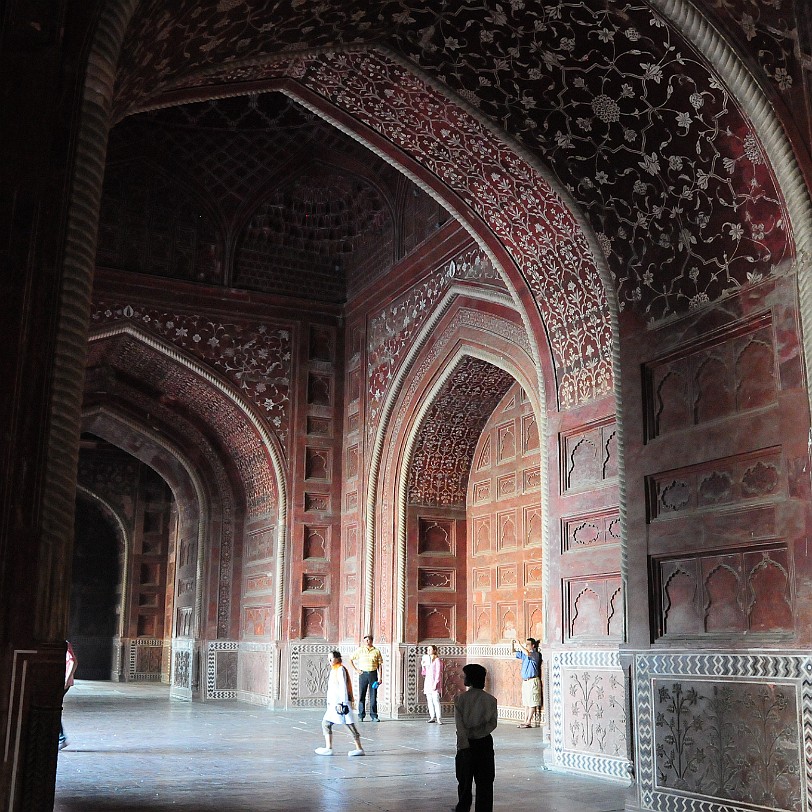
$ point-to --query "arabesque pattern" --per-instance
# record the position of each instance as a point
(631, 119)
(255, 358)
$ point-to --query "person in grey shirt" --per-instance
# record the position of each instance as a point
(475, 718)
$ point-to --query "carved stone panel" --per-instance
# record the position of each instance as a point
(314, 621)
(257, 621)
(321, 343)
(506, 442)
(482, 622)
(732, 592)
(436, 622)
(317, 464)
(314, 582)
(530, 434)
(506, 530)
(317, 502)
(590, 530)
(721, 483)
(594, 607)
(532, 527)
(436, 578)
(507, 618)
(435, 536)
(316, 542)
(589, 456)
(594, 711)
(732, 741)
(259, 545)
(712, 380)
(319, 390)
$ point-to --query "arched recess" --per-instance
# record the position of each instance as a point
(125, 551)
(257, 454)
(469, 330)
(194, 509)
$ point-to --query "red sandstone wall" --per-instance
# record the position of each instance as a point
(505, 527)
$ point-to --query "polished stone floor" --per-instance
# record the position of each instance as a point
(131, 748)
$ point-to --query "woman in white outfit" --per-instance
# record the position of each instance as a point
(432, 669)
(339, 700)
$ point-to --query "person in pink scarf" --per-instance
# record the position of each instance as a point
(432, 670)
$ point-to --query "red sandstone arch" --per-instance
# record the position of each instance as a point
(200, 508)
(211, 407)
(508, 201)
(122, 537)
(469, 330)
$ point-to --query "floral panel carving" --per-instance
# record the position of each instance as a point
(253, 673)
(594, 711)
(732, 741)
(256, 358)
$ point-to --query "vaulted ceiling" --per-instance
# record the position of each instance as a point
(592, 140)
(632, 120)
(255, 192)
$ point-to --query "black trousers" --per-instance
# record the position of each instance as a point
(365, 681)
(475, 763)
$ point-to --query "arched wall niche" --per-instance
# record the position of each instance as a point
(485, 326)
(195, 516)
(471, 330)
(233, 453)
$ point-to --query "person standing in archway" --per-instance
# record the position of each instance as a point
(368, 662)
(531, 678)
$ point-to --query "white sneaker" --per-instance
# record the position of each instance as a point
(358, 752)
(323, 751)
(439, 722)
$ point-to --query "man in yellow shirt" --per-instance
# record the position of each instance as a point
(368, 662)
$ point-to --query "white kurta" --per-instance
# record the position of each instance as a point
(337, 692)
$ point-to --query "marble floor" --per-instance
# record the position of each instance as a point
(131, 748)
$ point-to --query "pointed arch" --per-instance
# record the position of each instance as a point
(237, 418)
